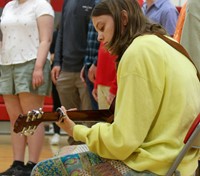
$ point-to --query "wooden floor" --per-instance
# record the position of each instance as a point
(6, 156)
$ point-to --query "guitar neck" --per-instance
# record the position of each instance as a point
(26, 124)
(50, 116)
(104, 115)
(81, 115)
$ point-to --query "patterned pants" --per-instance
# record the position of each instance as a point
(84, 164)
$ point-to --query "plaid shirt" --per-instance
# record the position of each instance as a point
(92, 46)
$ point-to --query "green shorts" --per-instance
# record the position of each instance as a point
(17, 78)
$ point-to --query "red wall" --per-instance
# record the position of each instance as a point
(56, 4)
(3, 2)
(3, 112)
(48, 107)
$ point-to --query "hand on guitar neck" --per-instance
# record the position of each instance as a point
(26, 124)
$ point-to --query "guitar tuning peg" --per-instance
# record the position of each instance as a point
(29, 115)
(38, 113)
(27, 132)
(61, 113)
(34, 115)
(24, 132)
(32, 130)
(40, 110)
(31, 133)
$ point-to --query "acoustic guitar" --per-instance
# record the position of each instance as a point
(26, 124)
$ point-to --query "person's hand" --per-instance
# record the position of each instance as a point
(66, 124)
(82, 74)
(52, 58)
(92, 73)
(55, 73)
(95, 95)
(110, 98)
(37, 78)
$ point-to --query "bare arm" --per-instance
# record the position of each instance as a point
(45, 29)
(92, 73)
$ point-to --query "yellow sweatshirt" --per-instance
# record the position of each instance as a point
(157, 100)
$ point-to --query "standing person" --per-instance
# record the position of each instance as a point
(55, 97)
(105, 83)
(179, 24)
(88, 72)
(70, 50)
(105, 86)
(162, 12)
(69, 54)
(190, 37)
(27, 28)
(156, 102)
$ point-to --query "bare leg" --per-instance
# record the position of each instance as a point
(18, 141)
(35, 142)
(22, 104)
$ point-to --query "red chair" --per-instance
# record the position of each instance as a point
(192, 140)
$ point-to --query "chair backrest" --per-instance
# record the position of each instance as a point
(192, 140)
(194, 129)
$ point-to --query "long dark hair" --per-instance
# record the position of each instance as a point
(137, 24)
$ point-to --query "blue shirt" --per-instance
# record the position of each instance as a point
(162, 12)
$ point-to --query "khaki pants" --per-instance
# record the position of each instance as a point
(103, 92)
(72, 91)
